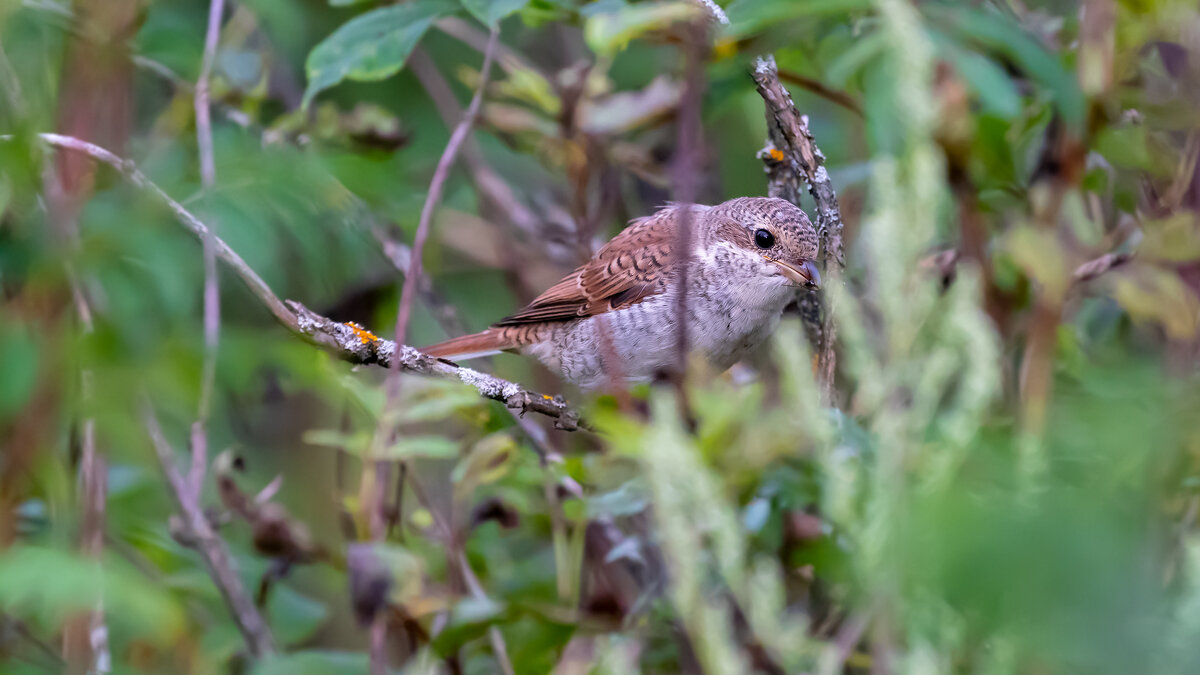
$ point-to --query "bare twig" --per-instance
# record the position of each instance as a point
(793, 159)
(346, 341)
(688, 156)
(1098, 266)
(400, 255)
(212, 295)
(818, 87)
(85, 639)
(210, 547)
(374, 482)
(208, 171)
(440, 174)
(93, 475)
(491, 187)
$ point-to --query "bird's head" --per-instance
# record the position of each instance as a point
(768, 238)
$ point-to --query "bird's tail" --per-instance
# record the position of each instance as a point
(473, 346)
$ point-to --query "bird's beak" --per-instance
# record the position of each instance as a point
(805, 274)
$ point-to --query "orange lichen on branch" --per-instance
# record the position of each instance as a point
(775, 154)
(366, 336)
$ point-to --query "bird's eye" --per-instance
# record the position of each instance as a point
(764, 239)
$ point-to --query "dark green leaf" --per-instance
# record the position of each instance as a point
(373, 46)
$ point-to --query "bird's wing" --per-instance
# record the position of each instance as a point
(630, 268)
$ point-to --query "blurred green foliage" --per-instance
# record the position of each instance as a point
(1008, 481)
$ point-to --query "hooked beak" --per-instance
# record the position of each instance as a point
(805, 275)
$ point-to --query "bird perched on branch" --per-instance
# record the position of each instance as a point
(615, 318)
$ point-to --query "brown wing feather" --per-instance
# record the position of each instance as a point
(630, 268)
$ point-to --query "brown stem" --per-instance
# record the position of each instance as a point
(818, 87)
(212, 296)
(793, 160)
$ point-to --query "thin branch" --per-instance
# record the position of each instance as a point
(689, 154)
(227, 255)
(208, 170)
(437, 185)
(210, 547)
(491, 187)
(818, 87)
(1098, 266)
(212, 295)
(793, 159)
(372, 494)
(91, 654)
(347, 341)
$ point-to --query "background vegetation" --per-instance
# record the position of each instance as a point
(1003, 477)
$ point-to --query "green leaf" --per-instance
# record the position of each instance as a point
(294, 617)
(1000, 33)
(373, 46)
(609, 32)
(987, 81)
(347, 3)
(751, 16)
(492, 12)
(316, 662)
(19, 363)
(421, 446)
(850, 62)
(48, 586)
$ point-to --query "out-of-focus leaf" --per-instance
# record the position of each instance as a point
(347, 3)
(440, 404)
(750, 16)
(469, 619)
(407, 447)
(19, 365)
(988, 82)
(1128, 147)
(293, 616)
(1157, 295)
(372, 46)
(991, 29)
(628, 110)
(610, 32)
(627, 500)
(854, 59)
(5, 193)
(353, 443)
(491, 12)
(488, 460)
(1172, 239)
(1041, 257)
(316, 662)
(50, 585)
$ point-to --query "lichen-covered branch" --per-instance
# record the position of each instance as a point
(346, 341)
(794, 163)
(359, 345)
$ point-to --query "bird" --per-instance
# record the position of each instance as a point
(613, 320)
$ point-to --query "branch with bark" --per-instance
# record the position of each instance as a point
(794, 163)
(347, 341)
